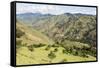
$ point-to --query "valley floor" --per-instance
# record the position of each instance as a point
(40, 56)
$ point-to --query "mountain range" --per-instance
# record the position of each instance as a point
(48, 38)
(76, 27)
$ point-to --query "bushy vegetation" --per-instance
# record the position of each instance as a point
(55, 50)
(19, 33)
(31, 48)
(38, 45)
(51, 55)
(55, 45)
(65, 51)
(82, 52)
(19, 44)
(48, 47)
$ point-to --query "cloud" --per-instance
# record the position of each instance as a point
(34, 8)
(53, 9)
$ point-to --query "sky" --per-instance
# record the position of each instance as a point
(53, 9)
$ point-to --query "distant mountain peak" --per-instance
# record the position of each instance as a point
(68, 13)
(36, 14)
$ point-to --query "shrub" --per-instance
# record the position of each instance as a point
(38, 45)
(47, 48)
(92, 52)
(19, 33)
(31, 48)
(55, 50)
(25, 44)
(74, 52)
(18, 44)
(55, 45)
(65, 51)
(57, 42)
(51, 55)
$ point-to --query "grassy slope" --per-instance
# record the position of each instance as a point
(40, 56)
(32, 36)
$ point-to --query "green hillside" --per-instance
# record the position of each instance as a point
(30, 35)
(41, 56)
(34, 46)
(75, 27)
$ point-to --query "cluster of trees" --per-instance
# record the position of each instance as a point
(38, 45)
(82, 52)
(53, 45)
(31, 47)
(77, 51)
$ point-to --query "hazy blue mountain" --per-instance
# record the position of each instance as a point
(30, 18)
